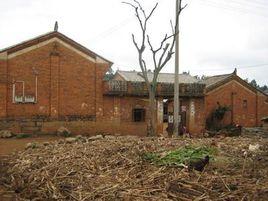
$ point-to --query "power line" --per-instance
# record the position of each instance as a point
(236, 9)
(117, 27)
(238, 67)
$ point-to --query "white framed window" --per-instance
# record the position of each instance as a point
(18, 93)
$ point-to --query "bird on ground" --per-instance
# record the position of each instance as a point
(199, 164)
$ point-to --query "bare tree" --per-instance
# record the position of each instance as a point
(160, 55)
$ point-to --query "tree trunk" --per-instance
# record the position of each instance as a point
(152, 124)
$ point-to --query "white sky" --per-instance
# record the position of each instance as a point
(216, 35)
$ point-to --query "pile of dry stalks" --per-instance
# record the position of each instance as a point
(113, 168)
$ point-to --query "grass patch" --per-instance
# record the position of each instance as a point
(180, 157)
(23, 135)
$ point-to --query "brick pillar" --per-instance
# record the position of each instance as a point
(192, 113)
(117, 109)
(160, 116)
(54, 85)
(101, 69)
(3, 85)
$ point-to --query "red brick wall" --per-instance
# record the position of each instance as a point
(118, 110)
(195, 121)
(245, 116)
(197, 126)
(68, 84)
(262, 107)
(3, 87)
(20, 69)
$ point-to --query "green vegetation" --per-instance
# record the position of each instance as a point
(23, 135)
(180, 157)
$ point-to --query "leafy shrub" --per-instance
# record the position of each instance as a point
(213, 122)
(179, 157)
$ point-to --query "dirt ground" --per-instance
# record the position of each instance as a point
(12, 146)
(112, 168)
(9, 146)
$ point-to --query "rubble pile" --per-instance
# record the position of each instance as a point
(113, 168)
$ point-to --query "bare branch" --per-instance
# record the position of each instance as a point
(130, 4)
(152, 11)
(153, 51)
(135, 43)
(140, 7)
(163, 54)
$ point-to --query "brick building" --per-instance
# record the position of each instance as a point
(130, 93)
(52, 81)
(247, 104)
(50, 77)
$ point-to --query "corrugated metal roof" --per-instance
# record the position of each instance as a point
(135, 76)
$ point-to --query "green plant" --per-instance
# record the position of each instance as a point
(179, 157)
(23, 135)
(213, 122)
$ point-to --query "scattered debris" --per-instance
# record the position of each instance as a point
(6, 134)
(115, 169)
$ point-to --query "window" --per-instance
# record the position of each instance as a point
(20, 95)
(245, 104)
(138, 115)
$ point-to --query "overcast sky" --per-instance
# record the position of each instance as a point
(216, 35)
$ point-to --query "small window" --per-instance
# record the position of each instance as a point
(138, 115)
(245, 104)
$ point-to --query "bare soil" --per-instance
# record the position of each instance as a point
(12, 145)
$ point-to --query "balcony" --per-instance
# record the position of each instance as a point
(185, 90)
(115, 87)
(166, 90)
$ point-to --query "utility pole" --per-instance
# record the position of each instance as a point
(176, 81)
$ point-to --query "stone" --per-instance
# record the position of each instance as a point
(110, 137)
(71, 139)
(61, 141)
(6, 134)
(81, 138)
(254, 148)
(46, 144)
(96, 137)
(62, 131)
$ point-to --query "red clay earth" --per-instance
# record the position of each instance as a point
(9, 146)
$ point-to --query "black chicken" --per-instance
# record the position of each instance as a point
(199, 164)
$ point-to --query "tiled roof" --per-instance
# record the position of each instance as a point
(135, 76)
(209, 81)
(47, 36)
(26, 41)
